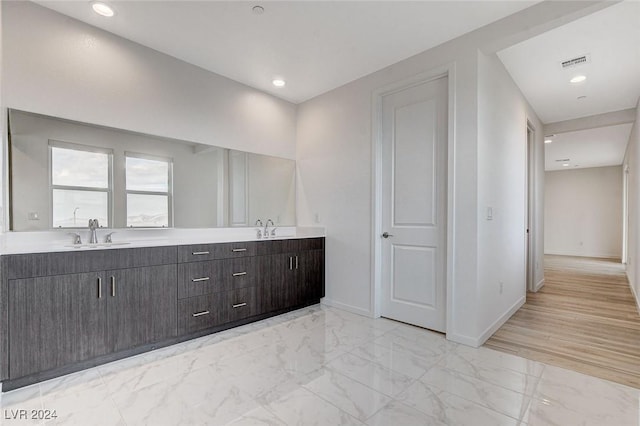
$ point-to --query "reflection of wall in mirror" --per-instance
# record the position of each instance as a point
(271, 189)
(195, 174)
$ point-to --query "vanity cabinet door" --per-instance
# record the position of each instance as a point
(55, 321)
(310, 280)
(276, 283)
(142, 305)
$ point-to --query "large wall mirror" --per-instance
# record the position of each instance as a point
(63, 173)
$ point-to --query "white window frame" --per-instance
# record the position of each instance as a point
(108, 190)
(168, 193)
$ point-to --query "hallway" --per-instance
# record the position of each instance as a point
(584, 319)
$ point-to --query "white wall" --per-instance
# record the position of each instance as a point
(632, 162)
(55, 65)
(335, 174)
(583, 212)
(502, 157)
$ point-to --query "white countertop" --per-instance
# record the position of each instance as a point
(61, 241)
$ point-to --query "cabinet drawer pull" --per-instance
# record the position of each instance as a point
(239, 274)
(237, 250)
(198, 314)
(239, 305)
(197, 280)
(113, 286)
(99, 288)
(199, 253)
(290, 262)
(296, 262)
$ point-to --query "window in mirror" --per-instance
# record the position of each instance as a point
(80, 185)
(148, 188)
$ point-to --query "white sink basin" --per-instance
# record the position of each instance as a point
(98, 245)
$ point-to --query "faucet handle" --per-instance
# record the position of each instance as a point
(273, 231)
(258, 233)
(77, 239)
(107, 238)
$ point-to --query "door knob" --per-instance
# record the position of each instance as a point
(386, 235)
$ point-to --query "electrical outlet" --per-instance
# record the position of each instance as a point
(501, 287)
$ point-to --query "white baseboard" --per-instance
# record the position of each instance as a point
(500, 321)
(538, 286)
(462, 339)
(612, 256)
(633, 291)
(345, 307)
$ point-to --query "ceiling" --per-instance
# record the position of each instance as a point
(603, 146)
(314, 46)
(612, 39)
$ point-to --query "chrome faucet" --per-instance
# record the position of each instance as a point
(93, 225)
(259, 231)
(266, 228)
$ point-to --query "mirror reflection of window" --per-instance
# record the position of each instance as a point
(80, 185)
(148, 190)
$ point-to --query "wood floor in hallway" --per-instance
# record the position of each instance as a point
(584, 318)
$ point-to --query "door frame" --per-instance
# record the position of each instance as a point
(529, 206)
(448, 71)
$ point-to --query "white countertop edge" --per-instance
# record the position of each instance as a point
(60, 241)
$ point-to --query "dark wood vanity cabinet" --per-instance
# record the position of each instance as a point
(72, 316)
(69, 310)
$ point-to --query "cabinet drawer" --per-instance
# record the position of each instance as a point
(241, 273)
(242, 303)
(199, 278)
(202, 252)
(198, 313)
(292, 245)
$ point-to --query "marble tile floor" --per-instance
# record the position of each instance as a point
(324, 366)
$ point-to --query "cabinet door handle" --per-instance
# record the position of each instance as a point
(113, 286)
(296, 262)
(239, 305)
(198, 314)
(199, 253)
(239, 274)
(239, 249)
(290, 263)
(99, 288)
(196, 280)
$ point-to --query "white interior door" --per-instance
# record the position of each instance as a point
(414, 170)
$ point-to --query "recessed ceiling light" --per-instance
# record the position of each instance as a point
(578, 79)
(548, 141)
(566, 164)
(103, 9)
(278, 82)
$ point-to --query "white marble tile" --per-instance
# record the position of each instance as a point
(155, 405)
(497, 398)
(371, 374)
(490, 357)
(500, 376)
(417, 341)
(450, 409)
(258, 417)
(397, 358)
(547, 413)
(17, 406)
(396, 413)
(560, 389)
(353, 397)
(302, 407)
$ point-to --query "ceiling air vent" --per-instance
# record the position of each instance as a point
(563, 160)
(574, 62)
